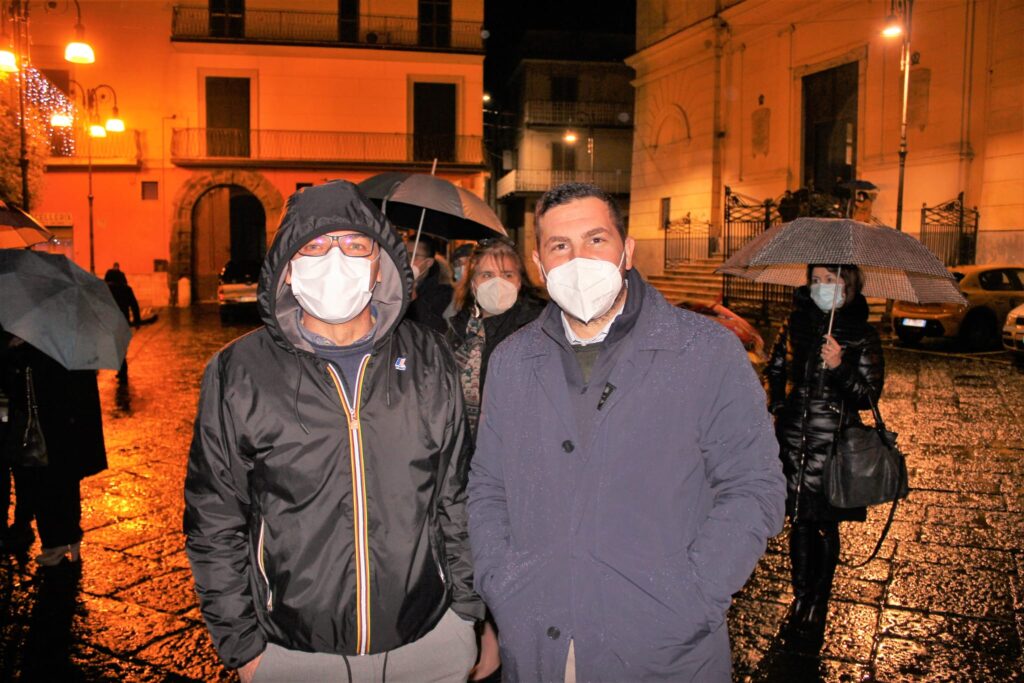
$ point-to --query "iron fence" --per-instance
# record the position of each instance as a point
(579, 113)
(302, 27)
(542, 180)
(745, 219)
(950, 231)
(195, 144)
(687, 241)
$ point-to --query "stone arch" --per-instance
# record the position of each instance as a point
(673, 126)
(185, 202)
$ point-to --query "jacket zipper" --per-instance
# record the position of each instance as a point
(362, 559)
(262, 567)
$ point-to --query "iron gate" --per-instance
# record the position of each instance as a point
(950, 231)
(745, 219)
(687, 241)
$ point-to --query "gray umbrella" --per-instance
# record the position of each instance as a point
(444, 209)
(62, 310)
(18, 229)
(895, 265)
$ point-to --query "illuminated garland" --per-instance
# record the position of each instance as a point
(47, 99)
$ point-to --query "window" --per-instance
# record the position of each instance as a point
(564, 88)
(435, 23)
(433, 121)
(999, 281)
(150, 190)
(227, 18)
(665, 214)
(348, 21)
(227, 117)
(563, 157)
(830, 126)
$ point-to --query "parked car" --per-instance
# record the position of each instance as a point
(236, 289)
(991, 291)
(746, 333)
(1013, 331)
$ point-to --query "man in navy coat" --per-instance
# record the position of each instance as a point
(626, 475)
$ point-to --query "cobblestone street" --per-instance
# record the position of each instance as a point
(944, 601)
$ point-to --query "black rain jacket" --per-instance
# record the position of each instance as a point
(806, 421)
(317, 526)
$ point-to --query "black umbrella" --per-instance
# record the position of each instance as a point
(62, 310)
(442, 208)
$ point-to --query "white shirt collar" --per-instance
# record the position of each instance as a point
(597, 339)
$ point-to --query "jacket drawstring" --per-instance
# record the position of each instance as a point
(384, 673)
(348, 667)
(390, 362)
(298, 385)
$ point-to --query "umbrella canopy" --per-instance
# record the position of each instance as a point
(19, 230)
(62, 310)
(895, 265)
(451, 211)
(379, 186)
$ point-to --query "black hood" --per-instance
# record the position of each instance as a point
(314, 211)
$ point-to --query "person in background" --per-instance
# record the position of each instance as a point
(125, 299)
(492, 300)
(68, 404)
(832, 377)
(460, 258)
(431, 284)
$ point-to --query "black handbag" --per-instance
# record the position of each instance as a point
(866, 466)
(29, 447)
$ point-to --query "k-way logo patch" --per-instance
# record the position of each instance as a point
(400, 363)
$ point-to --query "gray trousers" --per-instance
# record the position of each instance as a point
(444, 655)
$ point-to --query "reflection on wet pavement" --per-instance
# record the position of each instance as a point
(943, 601)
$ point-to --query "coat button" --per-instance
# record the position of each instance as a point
(568, 447)
(553, 632)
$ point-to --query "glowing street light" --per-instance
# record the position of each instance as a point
(78, 51)
(8, 61)
(570, 136)
(900, 27)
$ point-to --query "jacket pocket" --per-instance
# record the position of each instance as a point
(260, 551)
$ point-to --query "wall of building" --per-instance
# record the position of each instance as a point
(719, 103)
(160, 88)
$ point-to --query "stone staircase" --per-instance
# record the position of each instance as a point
(697, 282)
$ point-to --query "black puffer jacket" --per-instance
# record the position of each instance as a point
(310, 524)
(806, 420)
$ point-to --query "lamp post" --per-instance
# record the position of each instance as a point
(898, 25)
(91, 99)
(14, 57)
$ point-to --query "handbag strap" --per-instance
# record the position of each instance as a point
(881, 538)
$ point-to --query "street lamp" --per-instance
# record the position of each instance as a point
(14, 59)
(91, 99)
(898, 25)
(571, 137)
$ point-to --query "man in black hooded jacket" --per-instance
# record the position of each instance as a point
(325, 492)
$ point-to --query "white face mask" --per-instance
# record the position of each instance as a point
(496, 295)
(585, 288)
(822, 295)
(333, 288)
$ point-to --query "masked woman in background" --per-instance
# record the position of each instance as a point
(831, 377)
(493, 299)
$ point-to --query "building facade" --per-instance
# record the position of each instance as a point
(233, 105)
(756, 97)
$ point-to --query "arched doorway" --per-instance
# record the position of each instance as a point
(182, 232)
(228, 224)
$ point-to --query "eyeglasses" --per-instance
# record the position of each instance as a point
(359, 246)
(491, 241)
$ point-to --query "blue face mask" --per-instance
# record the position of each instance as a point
(822, 295)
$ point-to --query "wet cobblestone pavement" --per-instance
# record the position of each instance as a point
(944, 601)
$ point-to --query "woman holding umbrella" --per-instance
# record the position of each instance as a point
(832, 359)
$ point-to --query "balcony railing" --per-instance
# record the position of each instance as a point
(308, 146)
(546, 112)
(323, 28)
(613, 182)
(115, 149)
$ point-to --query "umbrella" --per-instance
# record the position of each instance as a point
(19, 230)
(60, 309)
(445, 209)
(379, 186)
(895, 265)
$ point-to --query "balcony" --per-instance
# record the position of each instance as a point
(604, 114)
(520, 180)
(117, 149)
(302, 148)
(292, 27)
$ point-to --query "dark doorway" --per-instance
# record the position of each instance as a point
(227, 18)
(227, 117)
(433, 124)
(563, 157)
(348, 21)
(228, 224)
(830, 127)
(435, 22)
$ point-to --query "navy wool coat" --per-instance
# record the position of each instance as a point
(630, 542)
